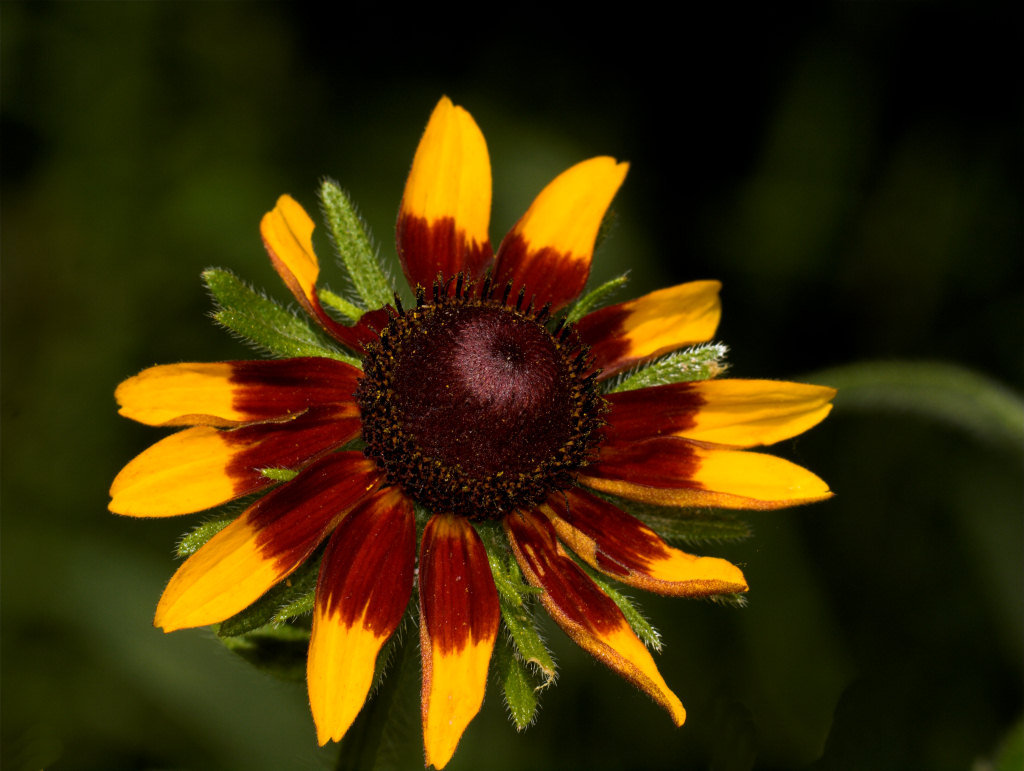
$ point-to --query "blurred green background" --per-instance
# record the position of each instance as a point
(851, 173)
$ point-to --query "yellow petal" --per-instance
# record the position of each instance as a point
(568, 212)
(454, 688)
(458, 626)
(266, 543)
(166, 394)
(624, 548)
(185, 472)
(622, 335)
(747, 413)
(364, 587)
(202, 467)
(446, 207)
(339, 672)
(738, 413)
(585, 613)
(653, 472)
(288, 236)
(451, 172)
(549, 251)
(229, 573)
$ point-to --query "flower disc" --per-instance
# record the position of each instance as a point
(475, 407)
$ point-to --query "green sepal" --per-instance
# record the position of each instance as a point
(639, 624)
(281, 653)
(197, 537)
(699, 362)
(288, 599)
(730, 600)
(693, 527)
(515, 598)
(301, 605)
(263, 323)
(595, 297)
(279, 474)
(352, 243)
(518, 683)
(349, 310)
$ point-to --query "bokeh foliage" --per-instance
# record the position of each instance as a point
(852, 174)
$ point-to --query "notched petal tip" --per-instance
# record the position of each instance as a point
(339, 672)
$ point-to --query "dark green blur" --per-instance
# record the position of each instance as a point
(853, 175)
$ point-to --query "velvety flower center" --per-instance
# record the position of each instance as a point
(475, 407)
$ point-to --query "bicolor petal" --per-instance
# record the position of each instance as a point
(202, 467)
(446, 209)
(737, 413)
(548, 252)
(626, 334)
(287, 232)
(265, 544)
(588, 615)
(364, 587)
(458, 625)
(670, 471)
(234, 392)
(624, 548)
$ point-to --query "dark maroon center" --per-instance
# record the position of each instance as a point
(485, 391)
(475, 407)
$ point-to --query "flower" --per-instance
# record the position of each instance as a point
(476, 407)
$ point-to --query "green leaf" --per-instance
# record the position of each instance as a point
(694, 527)
(287, 599)
(282, 654)
(518, 683)
(352, 243)
(647, 633)
(595, 297)
(946, 393)
(261, 321)
(700, 362)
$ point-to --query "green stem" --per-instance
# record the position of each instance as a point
(947, 393)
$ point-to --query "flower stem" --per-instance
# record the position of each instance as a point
(947, 393)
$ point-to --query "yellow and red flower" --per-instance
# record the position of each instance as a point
(477, 408)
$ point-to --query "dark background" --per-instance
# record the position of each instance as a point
(852, 173)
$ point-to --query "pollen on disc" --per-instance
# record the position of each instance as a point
(476, 407)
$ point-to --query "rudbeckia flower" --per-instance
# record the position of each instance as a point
(481, 404)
